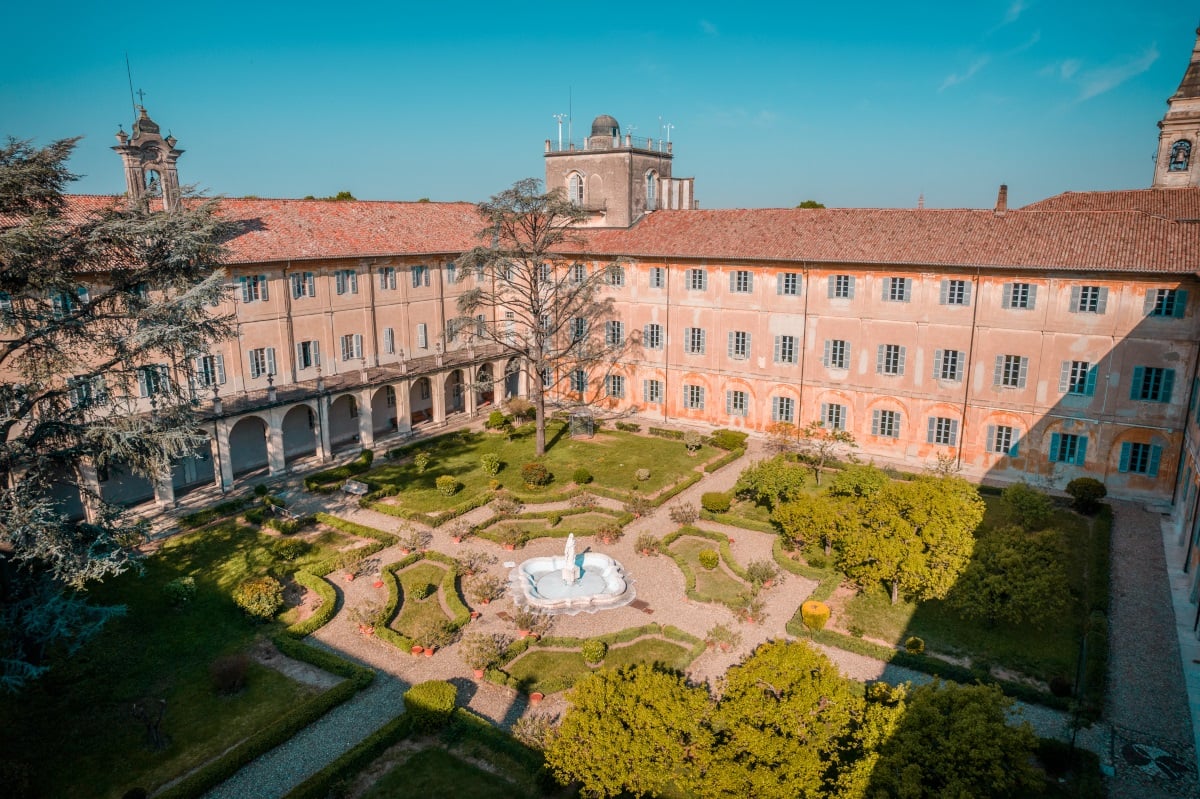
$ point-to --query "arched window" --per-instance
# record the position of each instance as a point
(575, 189)
(651, 189)
(1181, 155)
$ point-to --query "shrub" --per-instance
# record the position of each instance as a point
(535, 474)
(629, 427)
(494, 484)
(474, 560)
(290, 548)
(760, 572)
(485, 588)
(421, 461)
(432, 633)
(723, 635)
(521, 408)
(648, 544)
(260, 597)
(729, 439)
(581, 476)
(461, 530)
(593, 650)
(684, 513)
(583, 501)
(289, 526)
(422, 591)
(497, 420)
(1027, 506)
(692, 440)
(490, 463)
(914, 645)
(412, 539)
(511, 535)
(814, 615)
(715, 501)
(430, 704)
(180, 591)
(642, 475)
(484, 650)
(535, 730)
(637, 505)
(817, 560)
(609, 532)
(255, 515)
(1087, 493)
(447, 486)
(709, 558)
(228, 673)
(506, 505)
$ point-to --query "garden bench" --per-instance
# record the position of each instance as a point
(355, 487)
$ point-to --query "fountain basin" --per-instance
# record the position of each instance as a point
(538, 584)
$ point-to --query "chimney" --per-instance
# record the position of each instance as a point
(1002, 200)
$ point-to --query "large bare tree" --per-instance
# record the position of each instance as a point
(541, 306)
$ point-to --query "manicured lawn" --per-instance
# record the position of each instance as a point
(613, 458)
(649, 650)
(548, 671)
(534, 526)
(712, 585)
(74, 728)
(436, 772)
(414, 611)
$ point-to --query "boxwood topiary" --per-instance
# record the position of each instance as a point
(593, 650)
(709, 558)
(715, 501)
(430, 704)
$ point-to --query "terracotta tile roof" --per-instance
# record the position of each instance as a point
(1127, 241)
(1180, 203)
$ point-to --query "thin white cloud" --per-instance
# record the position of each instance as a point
(1094, 82)
(956, 78)
(1033, 39)
(1068, 68)
(1014, 11)
(709, 28)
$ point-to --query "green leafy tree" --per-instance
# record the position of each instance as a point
(548, 314)
(823, 443)
(956, 742)
(639, 730)
(818, 517)
(772, 481)
(858, 481)
(781, 725)
(1015, 576)
(915, 536)
(811, 204)
(1027, 506)
(94, 304)
(883, 711)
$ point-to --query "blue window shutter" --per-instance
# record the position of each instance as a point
(1016, 445)
(851, 292)
(1081, 451)
(1090, 388)
(999, 370)
(879, 359)
(243, 282)
(1135, 388)
(944, 293)
(1103, 302)
(887, 289)
(903, 355)
(907, 289)
(967, 292)
(1125, 451)
(1006, 301)
(1180, 308)
(1075, 291)
(1055, 441)
(991, 438)
(1032, 296)
(1064, 377)
(932, 430)
(1024, 371)
(1168, 385)
(1155, 457)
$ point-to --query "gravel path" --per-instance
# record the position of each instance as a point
(659, 583)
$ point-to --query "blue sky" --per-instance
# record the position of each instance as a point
(852, 104)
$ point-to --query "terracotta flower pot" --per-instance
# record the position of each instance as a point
(456, 539)
(485, 601)
(510, 547)
(535, 697)
(478, 674)
(429, 651)
(475, 614)
(724, 647)
(416, 650)
(405, 551)
(349, 578)
(523, 633)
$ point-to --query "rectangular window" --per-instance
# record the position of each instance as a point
(955, 292)
(652, 392)
(739, 345)
(389, 341)
(1089, 299)
(308, 354)
(1077, 377)
(1152, 384)
(254, 288)
(942, 430)
(1068, 448)
(741, 281)
(693, 340)
(345, 281)
(209, 370)
(1002, 440)
(897, 289)
(420, 276)
(885, 423)
(658, 277)
(697, 280)
(841, 287)
(837, 354)
(948, 365)
(693, 397)
(1020, 296)
(785, 349)
(652, 336)
(451, 272)
(153, 379)
(783, 409)
(1010, 371)
(735, 403)
(614, 386)
(788, 284)
(578, 380)
(1166, 303)
(304, 284)
(422, 336)
(615, 275)
(578, 273)
(1140, 458)
(351, 347)
(889, 359)
(614, 333)
(262, 361)
(578, 328)
(387, 278)
(85, 392)
(833, 416)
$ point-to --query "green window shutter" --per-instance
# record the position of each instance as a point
(1155, 457)
(1180, 308)
(1168, 385)
(1055, 442)
(1090, 388)
(1126, 448)
(1023, 372)
(1081, 451)
(1135, 388)
(1016, 445)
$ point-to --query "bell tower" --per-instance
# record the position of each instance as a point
(149, 159)
(1179, 137)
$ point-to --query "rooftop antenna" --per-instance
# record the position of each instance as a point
(560, 118)
(668, 127)
(570, 134)
(129, 74)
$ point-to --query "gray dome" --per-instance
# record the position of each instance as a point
(604, 125)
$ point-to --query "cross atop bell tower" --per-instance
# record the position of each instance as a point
(149, 159)
(1179, 135)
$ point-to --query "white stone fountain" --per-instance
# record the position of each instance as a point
(571, 583)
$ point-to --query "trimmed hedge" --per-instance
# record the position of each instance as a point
(430, 704)
(323, 482)
(724, 460)
(202, 517)
(431, 519)
(449, 586)
(739, 521)
(323, 614)
(729, 439)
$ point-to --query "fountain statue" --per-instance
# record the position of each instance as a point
(570, 583)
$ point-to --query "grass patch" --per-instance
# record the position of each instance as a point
(431, 772)
(413, 611)
(548, 670)
(711, 585)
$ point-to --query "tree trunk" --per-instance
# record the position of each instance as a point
(828, 546)
(539, 410)
(895, 591)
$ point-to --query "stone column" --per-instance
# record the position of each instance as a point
(164, 490)
(498, 379)
(469, 399)
(437, 392)
(276, 460)
(324, 447)
(366, 419)
(403, 406)
(222, 457)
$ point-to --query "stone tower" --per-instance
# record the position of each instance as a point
(1175, 165)
(617, 179)
(149, 160)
